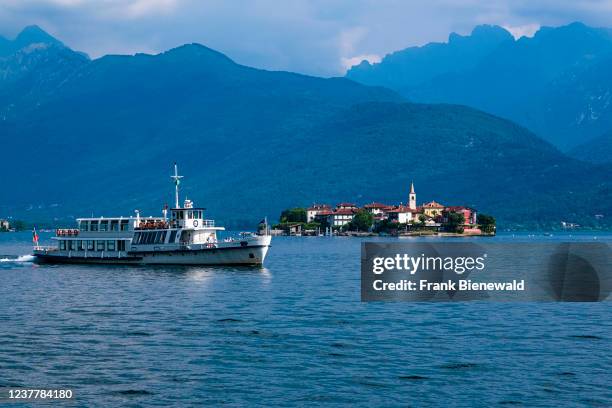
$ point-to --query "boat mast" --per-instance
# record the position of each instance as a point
(177, 181)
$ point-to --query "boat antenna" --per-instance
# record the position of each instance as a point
(177, 181)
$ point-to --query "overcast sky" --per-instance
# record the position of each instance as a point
(319, 37)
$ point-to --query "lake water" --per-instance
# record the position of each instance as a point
(293, 333)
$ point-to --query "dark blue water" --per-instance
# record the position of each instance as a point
(293, 333)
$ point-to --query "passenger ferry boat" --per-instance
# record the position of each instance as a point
(184, 239)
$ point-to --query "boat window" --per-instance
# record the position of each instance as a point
(150, 237)
(90, 245)
(110, 245)
(99, 245)
(163, 238)
(71, 245)
(62, 245)
(124, 225)
(121, 245)
(114, 225)
(189, 215)
(93, 226)
(136, 238)
(84, 225)
(172, 236)
(157, 237)
(103, 225)
(174, 215)
(80, 245)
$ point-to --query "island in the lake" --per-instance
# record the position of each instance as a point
(431, 218)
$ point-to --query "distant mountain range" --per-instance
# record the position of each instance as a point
(30, 35)
(99, 136)
(557, 83)
(597, 150)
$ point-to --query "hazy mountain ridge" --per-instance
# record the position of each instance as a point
(523, 80)
(101, 137)
(32, 67)
(28, 36)
(597, 150)
(415, 65)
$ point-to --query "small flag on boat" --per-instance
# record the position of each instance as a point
(34, 236)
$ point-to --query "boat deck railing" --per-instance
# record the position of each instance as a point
(66, 232)
(146, 225)
(208, 223)
(45, 249)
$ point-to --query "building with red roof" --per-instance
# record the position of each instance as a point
(469, 214)
(312, 211)
(401, 214)
(377, 209)
(338, 217)
(346, 206)
(432, 209)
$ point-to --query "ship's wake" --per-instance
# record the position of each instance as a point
(19, 259)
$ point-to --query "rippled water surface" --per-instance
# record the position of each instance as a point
(292, 333)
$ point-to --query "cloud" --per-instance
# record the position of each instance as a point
(140, 8)
(527, 30)
(310, 36)
(347, 63)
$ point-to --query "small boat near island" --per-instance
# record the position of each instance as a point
(186, 238)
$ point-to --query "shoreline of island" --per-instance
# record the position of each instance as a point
(361, 234)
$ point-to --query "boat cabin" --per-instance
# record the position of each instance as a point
(189, 217)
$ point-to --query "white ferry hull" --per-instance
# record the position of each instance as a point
(252, 254)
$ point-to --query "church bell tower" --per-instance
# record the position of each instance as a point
(412, 197)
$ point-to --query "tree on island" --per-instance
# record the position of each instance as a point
(297, 215)
(387, 226)
(19, 225)
(362, 221)
(455, 222)
(293, 215)
(422, 219)
(486, 222)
